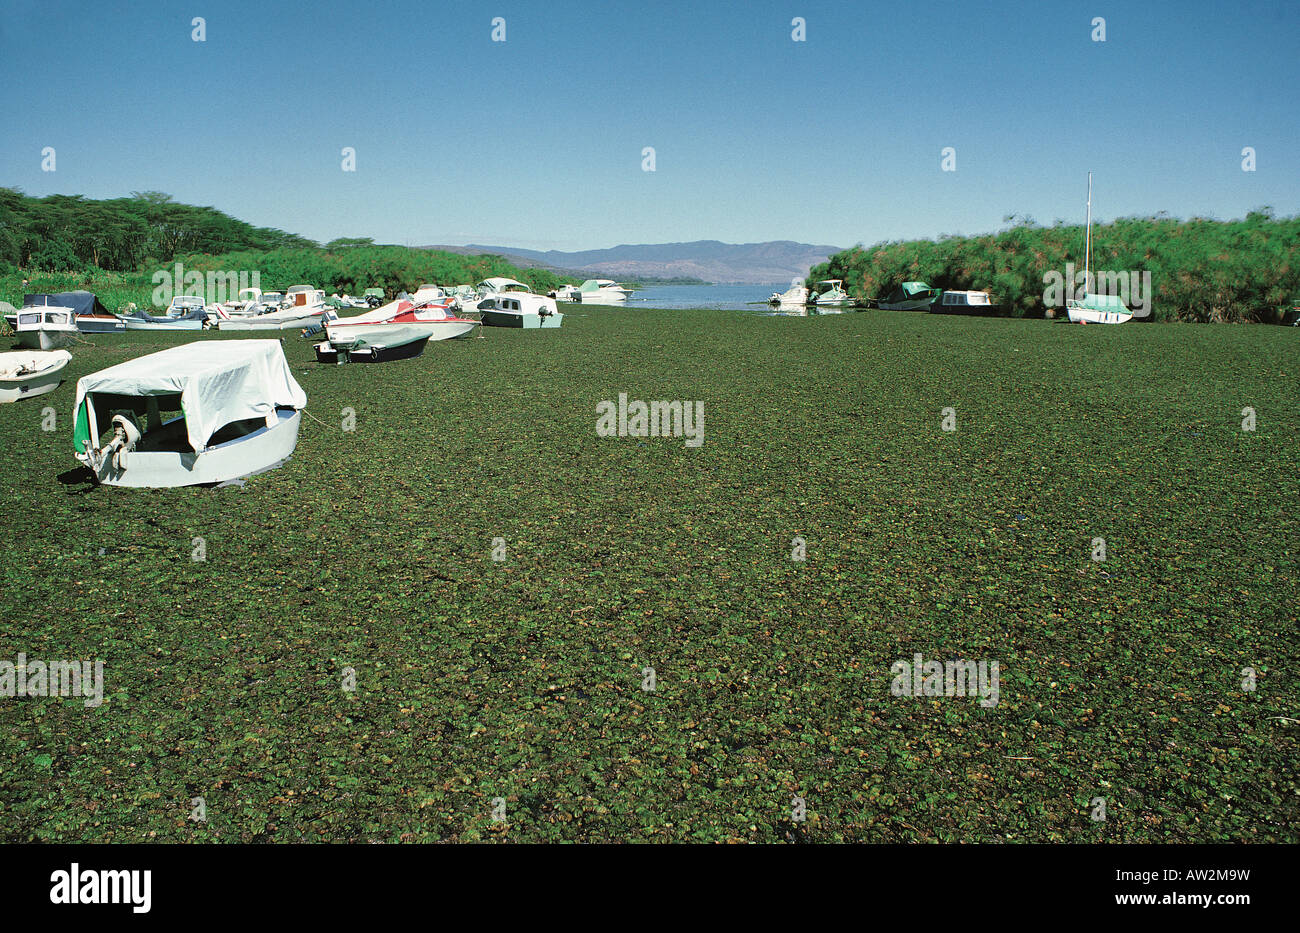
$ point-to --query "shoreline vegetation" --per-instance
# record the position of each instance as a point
(1239, 271)
(1208, 271)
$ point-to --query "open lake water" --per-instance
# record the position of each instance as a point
(716, 297)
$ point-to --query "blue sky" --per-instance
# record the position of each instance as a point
(537, 141)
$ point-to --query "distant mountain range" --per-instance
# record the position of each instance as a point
(777, 261)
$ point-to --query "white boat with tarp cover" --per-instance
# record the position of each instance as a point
(203, 412)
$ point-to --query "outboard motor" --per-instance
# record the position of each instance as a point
(125, 437)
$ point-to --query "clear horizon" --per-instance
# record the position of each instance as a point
(537, 142)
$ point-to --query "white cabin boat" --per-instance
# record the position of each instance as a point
(29, 373)
(237, 408)
(507, 303)
(958, 302)
(46, 327)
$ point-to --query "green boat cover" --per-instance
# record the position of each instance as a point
(1102, 303)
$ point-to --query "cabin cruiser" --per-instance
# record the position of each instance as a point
(507, 303)
(300, 296)
(91, 316)
(963, 302)
(46, 327)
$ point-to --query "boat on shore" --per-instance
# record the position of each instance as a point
(508, 303)
(184, 315)
(290, 318)
(91, 315)
(46, 327)
(387, 329)
(237, 412)
(327, 352)
(29, 373)
(910, 296)
(520, 310)
(1093, 308)
(963, 302)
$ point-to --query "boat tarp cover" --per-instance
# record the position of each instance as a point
(1103, 303)
(219, 381)
(912, 288)
(80, 302)
(194, 314)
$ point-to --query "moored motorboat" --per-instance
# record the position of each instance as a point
(796, 296)
(46, 327)
(600, 292)
(834, 298)
(238, 407)
(29, 373)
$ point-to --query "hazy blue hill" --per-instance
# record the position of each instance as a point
(709, 260)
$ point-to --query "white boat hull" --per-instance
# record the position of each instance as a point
(46, 338)
(32, 373)
(1094, 316)
(136, 324)
(604, 296)
(253, 453)
(393, 333)
(273, 321)
(526, 319)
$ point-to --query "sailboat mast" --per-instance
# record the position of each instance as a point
(1087, 242)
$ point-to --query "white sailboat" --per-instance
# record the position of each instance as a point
(1093, 308)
